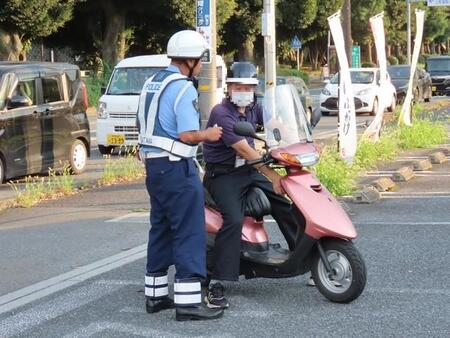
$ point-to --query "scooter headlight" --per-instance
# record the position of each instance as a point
(308, 159)
(304, 160)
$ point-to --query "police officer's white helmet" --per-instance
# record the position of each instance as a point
(187, 44)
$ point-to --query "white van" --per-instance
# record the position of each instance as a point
(116, 119)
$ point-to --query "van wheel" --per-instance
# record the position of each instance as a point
(375, 107)
(104, 150)
(2, 171)
(78, 157)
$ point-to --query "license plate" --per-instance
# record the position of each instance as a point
(433, 88)
(115, 139)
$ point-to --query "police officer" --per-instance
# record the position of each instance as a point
(228, 187)
(168, 121)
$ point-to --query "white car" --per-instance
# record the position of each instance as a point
(367, 92)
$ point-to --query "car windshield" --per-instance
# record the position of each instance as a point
(399, 72)
(362, 77)
(438, 65)
(129, 81)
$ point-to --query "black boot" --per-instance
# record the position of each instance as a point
(200, 312)
(156, 305)
(188, 301)
(157, 292)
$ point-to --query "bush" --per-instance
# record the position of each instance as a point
(392, 60)
(422, 134)
(95, 83)
(284, 70)
(368, 65)
(402, 59)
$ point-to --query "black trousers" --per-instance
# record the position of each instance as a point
(229, 192)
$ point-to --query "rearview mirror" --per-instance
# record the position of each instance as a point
(315, 117)
(326, 81)
(18, 101)
(102, 90)
(243, 128)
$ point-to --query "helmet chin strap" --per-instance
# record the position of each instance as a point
(191, 69)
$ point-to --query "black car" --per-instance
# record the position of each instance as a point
(439, 69)
(43, 121)
(421, 82)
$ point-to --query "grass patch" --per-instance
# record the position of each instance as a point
(422, 134)
(124, 169)
(37, 189)
(335, 174)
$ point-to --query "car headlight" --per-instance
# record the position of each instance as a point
(364, 92)
(326, 92)
(101, 111)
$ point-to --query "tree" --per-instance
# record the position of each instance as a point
(362, 11)
(22, 21)
(395, 26)
(241, 30)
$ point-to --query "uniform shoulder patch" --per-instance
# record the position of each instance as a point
(195, 104)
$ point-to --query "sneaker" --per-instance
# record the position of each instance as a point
(310, 281)
(214, 298)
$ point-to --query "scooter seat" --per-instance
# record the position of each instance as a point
(257, 204)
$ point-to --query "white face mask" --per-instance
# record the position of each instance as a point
(242, 99)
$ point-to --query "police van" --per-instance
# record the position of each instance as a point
(117, 109)
(43, 121)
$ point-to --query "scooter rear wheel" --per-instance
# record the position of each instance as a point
(348, 277)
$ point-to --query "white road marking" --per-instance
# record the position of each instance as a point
(36, 291)
(125, 329)
(128, 218)
(65, 303)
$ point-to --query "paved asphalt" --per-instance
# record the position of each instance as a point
(74, 268)
(404, 239)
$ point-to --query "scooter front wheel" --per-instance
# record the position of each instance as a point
(348, 271)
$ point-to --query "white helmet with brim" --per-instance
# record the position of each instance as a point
(243, 80)
(187, 44)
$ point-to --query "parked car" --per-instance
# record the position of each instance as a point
(301, 87)
(439, 69)
(421, 82)
(117, 108)
(367, 92)
(43, 121)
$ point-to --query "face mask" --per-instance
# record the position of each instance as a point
(242, 99)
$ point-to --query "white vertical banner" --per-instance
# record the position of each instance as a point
(405, 115)
(347, 116)
(376, 23)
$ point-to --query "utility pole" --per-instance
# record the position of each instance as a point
(207, 81)
(270, 70)
(347, 28)
(408, 31)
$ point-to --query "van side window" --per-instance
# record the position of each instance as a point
(219, 77)
(27, 89)
(51, 89)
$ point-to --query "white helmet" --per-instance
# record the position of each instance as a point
(187, 44)
(243, 73)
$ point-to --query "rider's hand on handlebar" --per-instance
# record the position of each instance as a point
(276, 182)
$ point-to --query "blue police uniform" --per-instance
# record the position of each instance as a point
(168, 107)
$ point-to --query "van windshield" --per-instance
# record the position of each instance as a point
(129, 81)
(438, 65)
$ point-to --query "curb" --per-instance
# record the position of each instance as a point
(371, 192)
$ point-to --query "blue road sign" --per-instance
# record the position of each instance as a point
(296, 43)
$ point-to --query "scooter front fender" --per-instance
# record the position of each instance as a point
(324, 215)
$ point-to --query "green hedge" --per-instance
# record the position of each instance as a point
(284, 70)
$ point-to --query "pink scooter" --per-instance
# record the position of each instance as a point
(324, 231)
